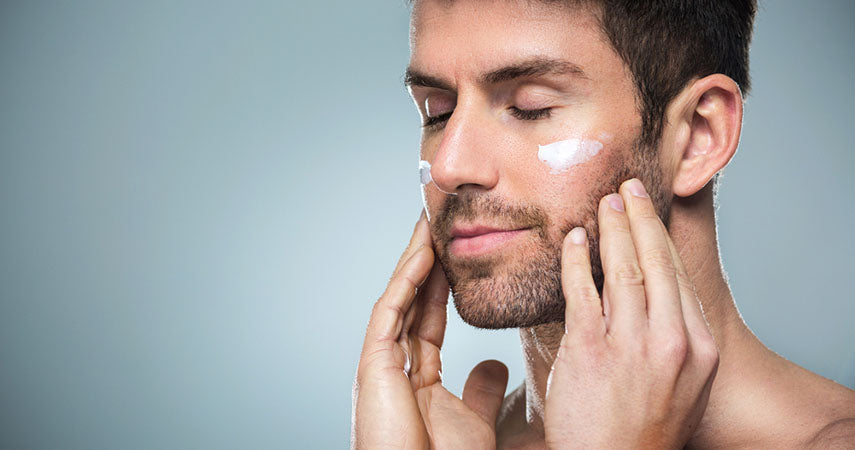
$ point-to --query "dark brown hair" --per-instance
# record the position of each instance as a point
(667, 43)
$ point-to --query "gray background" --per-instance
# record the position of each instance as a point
(200, 201)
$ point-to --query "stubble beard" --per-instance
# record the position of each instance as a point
(526, 291)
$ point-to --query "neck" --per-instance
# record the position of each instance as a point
(692, 228)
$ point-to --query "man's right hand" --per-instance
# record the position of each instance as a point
(398, 397)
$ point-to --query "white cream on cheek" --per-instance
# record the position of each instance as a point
(559, 156)
(562, 155)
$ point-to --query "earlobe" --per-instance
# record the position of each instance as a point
(714, 119)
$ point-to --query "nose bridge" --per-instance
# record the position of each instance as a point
(464, 153)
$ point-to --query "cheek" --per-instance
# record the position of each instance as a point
(562, 156)
(429, 145)
(571, 196)
(565, 168)
(562, 176)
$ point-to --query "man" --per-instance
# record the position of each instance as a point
(558, 133)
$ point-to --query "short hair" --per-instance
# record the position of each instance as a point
(667, 43)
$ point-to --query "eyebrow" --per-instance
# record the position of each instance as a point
(533, 67)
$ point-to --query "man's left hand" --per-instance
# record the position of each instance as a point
(635, 369)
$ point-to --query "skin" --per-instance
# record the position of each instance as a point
(638, 365)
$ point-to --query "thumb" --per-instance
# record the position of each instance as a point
(484, 390)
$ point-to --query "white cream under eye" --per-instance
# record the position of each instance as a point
(562, 155)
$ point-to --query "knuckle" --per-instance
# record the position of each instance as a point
(581, 339)
(485, 388)
(362, 369)
(707, 353)
(401, 285)
(596, 355)
(569, 342)
(659, 259)
(377, 305)
(628, 273)
(581, 346)
(675, 349)
(566, 351)
(585, 292)
(407, 279)
(375, 311)
(392, 307)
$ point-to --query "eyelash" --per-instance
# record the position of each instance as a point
(522, 114)
(530, 114)
(435, 121)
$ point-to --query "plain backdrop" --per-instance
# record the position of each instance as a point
(201, 200)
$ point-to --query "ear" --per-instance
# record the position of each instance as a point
(711, 115)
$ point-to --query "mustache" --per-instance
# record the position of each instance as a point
(489, 208)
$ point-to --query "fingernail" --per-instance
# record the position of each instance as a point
(615, 201)
(636, 188)
(577, 235)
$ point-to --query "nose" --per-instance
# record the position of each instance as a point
(467, 153)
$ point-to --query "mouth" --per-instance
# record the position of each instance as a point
(479, 240)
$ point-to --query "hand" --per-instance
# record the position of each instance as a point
(398, 398)
(636, 370)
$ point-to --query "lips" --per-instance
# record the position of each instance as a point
(469, 241)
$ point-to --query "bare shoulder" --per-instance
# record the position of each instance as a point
(801, 409)
(839, 434)
(837, 431)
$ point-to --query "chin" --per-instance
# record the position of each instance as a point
(525, 297)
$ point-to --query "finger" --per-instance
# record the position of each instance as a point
(693, 314)
(387, 318)
(420, 237)
(433, 297)
(416, 242)
(484, 390)
(623, 287)
(583, 311)
(411, 315)
(661, 291)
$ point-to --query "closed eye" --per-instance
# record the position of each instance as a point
(530, 114)
(437, 122)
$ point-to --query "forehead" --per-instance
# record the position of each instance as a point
(459, 39)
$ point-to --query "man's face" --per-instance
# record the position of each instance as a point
(489, 63)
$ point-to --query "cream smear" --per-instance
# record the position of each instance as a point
(424, 172)
(426, 178)
(562, 155)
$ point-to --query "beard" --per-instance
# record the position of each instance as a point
(525, 291)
